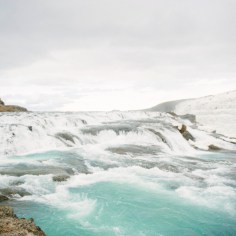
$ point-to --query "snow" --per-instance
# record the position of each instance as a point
(214, 113)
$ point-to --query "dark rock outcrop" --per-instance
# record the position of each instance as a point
(212, 147)
(36, 170)
(12, 191)
(11, 225)
(3, 198)
(185, 133)
(159, 135)
(1, 102)
(65, 136)
(183, 129)
(60, 178)
(189, 117)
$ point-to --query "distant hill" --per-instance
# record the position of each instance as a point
(10, 108)
(216, 112)
(167, 106)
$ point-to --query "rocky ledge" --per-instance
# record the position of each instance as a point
(11, 225)
(10, 108)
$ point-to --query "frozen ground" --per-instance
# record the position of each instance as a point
(217, 112)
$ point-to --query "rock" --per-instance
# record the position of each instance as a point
(6, 211)
(84, 122)
(65, 136)
(12, 108)
(185, 133)
(159, 135)
(11, 191)
(3, 198)
(212, 147)
(172, 113)
(11, 225)
(27, 169)
(188, 136)
(1, 102)
(183, 129)
(60, 178)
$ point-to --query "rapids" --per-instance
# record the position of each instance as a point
(131, 173)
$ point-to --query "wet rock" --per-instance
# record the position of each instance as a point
(17, 182)
(76, 163)
(14, 191)
(172, 113)
(212, 147)
(159, 135)
(65, 136)
(23, 169)
(168, 167)
(188, 136)
(11, 225)
(185, 133)
(3, 198)
(183, 129)
(84, 122)
(60, 178)
(134, 149)
(1, 102)
(117, 128)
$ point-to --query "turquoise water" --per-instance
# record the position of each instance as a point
(122, 209)
(126, 178)
(171, 195)
(132, 200)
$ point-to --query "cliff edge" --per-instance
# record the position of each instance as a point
(11, 225)
(10, 108)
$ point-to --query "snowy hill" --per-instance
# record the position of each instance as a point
(216, 112)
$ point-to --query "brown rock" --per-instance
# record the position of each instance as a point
(12, 108)
(183, 129)
(212, 147)
(185, 133)
(11, 225)
(14, 190)
(60, 178)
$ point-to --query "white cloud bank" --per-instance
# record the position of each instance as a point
(104, 55)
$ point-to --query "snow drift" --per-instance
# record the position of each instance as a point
(216, 113)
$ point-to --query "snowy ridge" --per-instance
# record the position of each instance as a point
(217, 112)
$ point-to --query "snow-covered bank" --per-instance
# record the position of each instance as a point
(217, 112)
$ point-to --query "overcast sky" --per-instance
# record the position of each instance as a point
(114, 54)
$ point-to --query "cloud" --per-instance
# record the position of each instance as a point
(64, 54)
